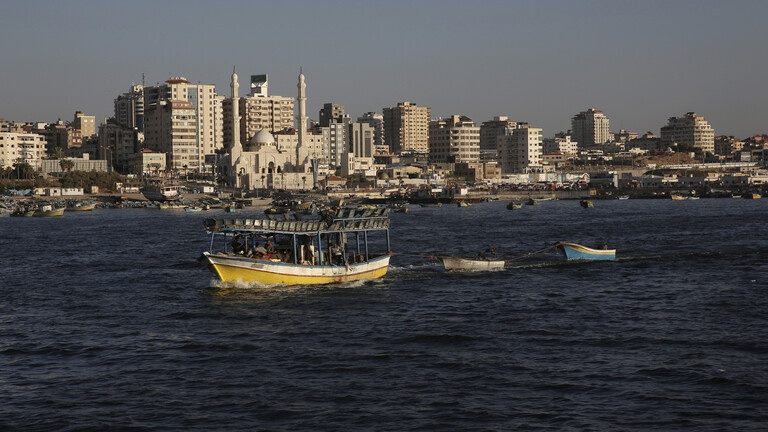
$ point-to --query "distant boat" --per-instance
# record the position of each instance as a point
(623, 197)
(676, 197)
(48, 210)
(456, 264)
(160, 190)
(751, 196)
(586, 203)
(463, 204)
(575, 251)
(82, 206)
(514, 206)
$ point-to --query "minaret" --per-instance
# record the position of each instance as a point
(237, 147)
(302, 126)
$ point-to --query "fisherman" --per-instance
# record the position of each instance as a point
(238, 245)
(259, 251)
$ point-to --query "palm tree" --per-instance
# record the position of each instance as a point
(58, 153)
(66, 164)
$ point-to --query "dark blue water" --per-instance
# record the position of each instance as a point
(107, 321)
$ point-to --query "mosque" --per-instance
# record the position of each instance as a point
(287, 160)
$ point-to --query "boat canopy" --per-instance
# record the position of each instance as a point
(351, 220)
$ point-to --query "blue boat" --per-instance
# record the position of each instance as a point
(575, 251)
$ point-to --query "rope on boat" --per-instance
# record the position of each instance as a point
(531, 253)
(514, 258)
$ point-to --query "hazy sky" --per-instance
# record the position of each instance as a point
(539, 61)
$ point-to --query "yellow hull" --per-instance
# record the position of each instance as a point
(233, 269)
(49, 213)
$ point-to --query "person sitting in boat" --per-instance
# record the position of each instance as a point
(259, 251)
(270, 248)
(336, 254)
(238, 245)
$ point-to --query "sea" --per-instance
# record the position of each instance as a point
(109, 321)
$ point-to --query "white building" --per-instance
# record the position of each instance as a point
(21, 147)
(287, 162)
(521, 151)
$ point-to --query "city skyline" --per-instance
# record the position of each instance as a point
(537, 62)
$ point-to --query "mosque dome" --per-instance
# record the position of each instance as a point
(262, 137)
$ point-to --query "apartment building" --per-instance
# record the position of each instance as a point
(690, 130)
(406, 128)
(490, 131)
(590, 128)
(129, 108)
(21, 147)
(376, 121)
(455, 139)
(521, 151)
(190, 106)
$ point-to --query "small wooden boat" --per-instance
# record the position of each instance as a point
(586, 203)
(575, 251)
(82, 206)
(752, 196)
(48, 210)
(456, 264)
(514, 206)
(463, 204)
(676, 197)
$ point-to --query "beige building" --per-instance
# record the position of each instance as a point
(490, 133)
(192, 112)
(455, 139)
(406, 128)
(259, 111)
(85, 124)
(590, 127)
(690, 130)
(521, 151)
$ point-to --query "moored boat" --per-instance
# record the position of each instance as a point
(81, 206)
(160, 190)
(586, 203)
(514, 205)
(334, 249)
(575, 251)
(457, 264)
(751, 196)
(48, 210)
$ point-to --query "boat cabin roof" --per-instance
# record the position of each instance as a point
(345, 220)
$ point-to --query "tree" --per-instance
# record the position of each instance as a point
(66, 164)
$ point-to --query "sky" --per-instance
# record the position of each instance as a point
(538, 61)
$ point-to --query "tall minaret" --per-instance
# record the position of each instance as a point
(302, 126)
(237, 148)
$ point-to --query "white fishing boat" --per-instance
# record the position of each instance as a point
(334, 249)
(457, 264)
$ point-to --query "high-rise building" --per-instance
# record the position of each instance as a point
(329, 112)
(362, 139)
(259, 111)
(590, 127)
(455, 139)
(129, 108)
(521, 151)
(376, 121)
(691, 130)
(338, 134)
(490, 131)
(195, 118)
(406, 128)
